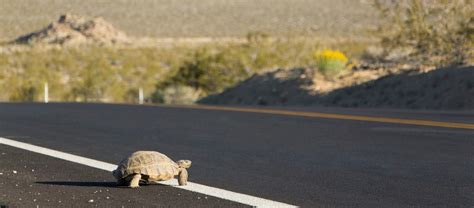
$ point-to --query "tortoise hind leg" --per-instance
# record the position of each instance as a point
(135, 180)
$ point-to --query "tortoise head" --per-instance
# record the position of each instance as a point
(184, 163)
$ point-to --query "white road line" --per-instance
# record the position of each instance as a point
(194, 187)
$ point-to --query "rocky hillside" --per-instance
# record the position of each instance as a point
(70, 29)
(448, 88)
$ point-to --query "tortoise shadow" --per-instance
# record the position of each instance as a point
(89, 184)
(80, 183)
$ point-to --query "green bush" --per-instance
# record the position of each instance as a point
(331, 63)
(208, 71)
(437, 31)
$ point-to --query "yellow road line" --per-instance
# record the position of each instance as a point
(331, 116)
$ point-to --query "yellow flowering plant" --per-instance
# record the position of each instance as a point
(331, 62)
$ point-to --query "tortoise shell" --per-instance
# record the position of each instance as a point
(153, 165)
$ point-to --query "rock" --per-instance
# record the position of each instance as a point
(73, 30)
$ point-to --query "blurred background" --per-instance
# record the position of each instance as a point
(411, 54)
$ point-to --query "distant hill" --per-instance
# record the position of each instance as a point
(196, 18)
(71, 29)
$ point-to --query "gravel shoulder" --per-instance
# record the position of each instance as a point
(32, 180)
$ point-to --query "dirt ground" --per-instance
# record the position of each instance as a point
(447, 88)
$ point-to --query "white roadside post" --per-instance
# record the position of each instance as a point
(140, 96)
(46, 93)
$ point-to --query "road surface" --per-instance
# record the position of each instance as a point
(307, 161)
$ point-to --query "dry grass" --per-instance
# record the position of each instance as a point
(113, 74)
(192, 18)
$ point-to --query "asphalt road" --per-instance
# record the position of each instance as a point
(309, 162)
(33, 180)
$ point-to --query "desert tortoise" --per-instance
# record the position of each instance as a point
(150, 167)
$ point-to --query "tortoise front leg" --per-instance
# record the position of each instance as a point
(183, 177)
(135, 180)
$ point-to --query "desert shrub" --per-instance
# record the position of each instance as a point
(131, 96)
(213, 67)
(263, 52)
(25, 93)
(208, 71)
(92, 80)
(84, 73)
(331, 63)
(23, 74)
(113, 74)
(175, 94)
(434, 31)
